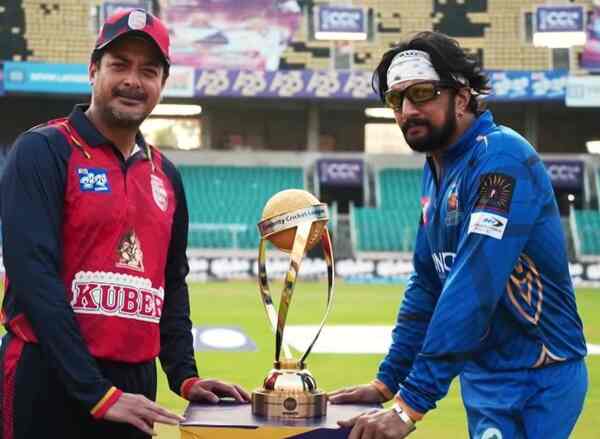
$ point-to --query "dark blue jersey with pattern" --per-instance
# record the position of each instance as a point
(491, 283)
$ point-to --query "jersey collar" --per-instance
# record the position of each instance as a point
(481, 125)
(90, 134)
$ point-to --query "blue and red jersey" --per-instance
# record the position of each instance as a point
(491, 283)
(94, 249)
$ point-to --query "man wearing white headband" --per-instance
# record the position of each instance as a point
(414, 65)
(490, 298)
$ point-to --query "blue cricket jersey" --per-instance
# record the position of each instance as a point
(491, 283)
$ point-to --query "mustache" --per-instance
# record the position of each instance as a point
(137, 95)
(410, 123)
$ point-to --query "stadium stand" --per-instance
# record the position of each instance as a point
(392, 226)
(498, 38)
(597, 178)
(383, 230)
(58, 31)
(585, 225)
(225, 202)
(63, 31)
(400, 188)
(12, 32)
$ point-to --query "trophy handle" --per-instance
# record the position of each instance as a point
(328, 254)
(278, 320)
(296, 255)
(265, 294)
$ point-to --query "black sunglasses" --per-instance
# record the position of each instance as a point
(418, 93)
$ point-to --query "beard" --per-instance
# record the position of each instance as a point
(125, 118)
(436, 138)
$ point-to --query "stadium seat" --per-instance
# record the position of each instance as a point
(587, 231)
(226, 202)
(64, 31)
(392, 226)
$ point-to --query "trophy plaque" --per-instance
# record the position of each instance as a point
(294, 221)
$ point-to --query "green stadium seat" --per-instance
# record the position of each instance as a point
(226, 202)
(587, 228)
(391, 227)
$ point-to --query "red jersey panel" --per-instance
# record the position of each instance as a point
(116, 232)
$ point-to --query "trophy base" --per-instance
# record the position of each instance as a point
(278, 404)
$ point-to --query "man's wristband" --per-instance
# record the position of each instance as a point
(186, 386)
(404, 416)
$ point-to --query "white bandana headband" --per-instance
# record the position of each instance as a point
(414, 64)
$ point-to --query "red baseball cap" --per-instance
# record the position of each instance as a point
(139, 21)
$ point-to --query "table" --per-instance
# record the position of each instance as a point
(231, 420)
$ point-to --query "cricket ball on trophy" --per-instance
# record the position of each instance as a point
(287, 205)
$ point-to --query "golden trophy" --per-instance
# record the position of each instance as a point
(294, 221)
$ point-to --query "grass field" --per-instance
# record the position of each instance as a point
(238, 304)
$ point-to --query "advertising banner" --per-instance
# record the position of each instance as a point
(515, 85)
(180, 83)
(27, 77)
(384, 270)
(46, 78)
(341, 172)
(566, 174)
(583, 91)
(590, 57)
(336, 22)
(507, 85)
(225, 268)
(231, 34)
(187, 81)
(559, 18)
(285, 83)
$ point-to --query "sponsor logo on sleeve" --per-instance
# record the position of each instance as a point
(495, 193)
(489, 224)
(93, 180)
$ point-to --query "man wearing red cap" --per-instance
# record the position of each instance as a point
(95, 224)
